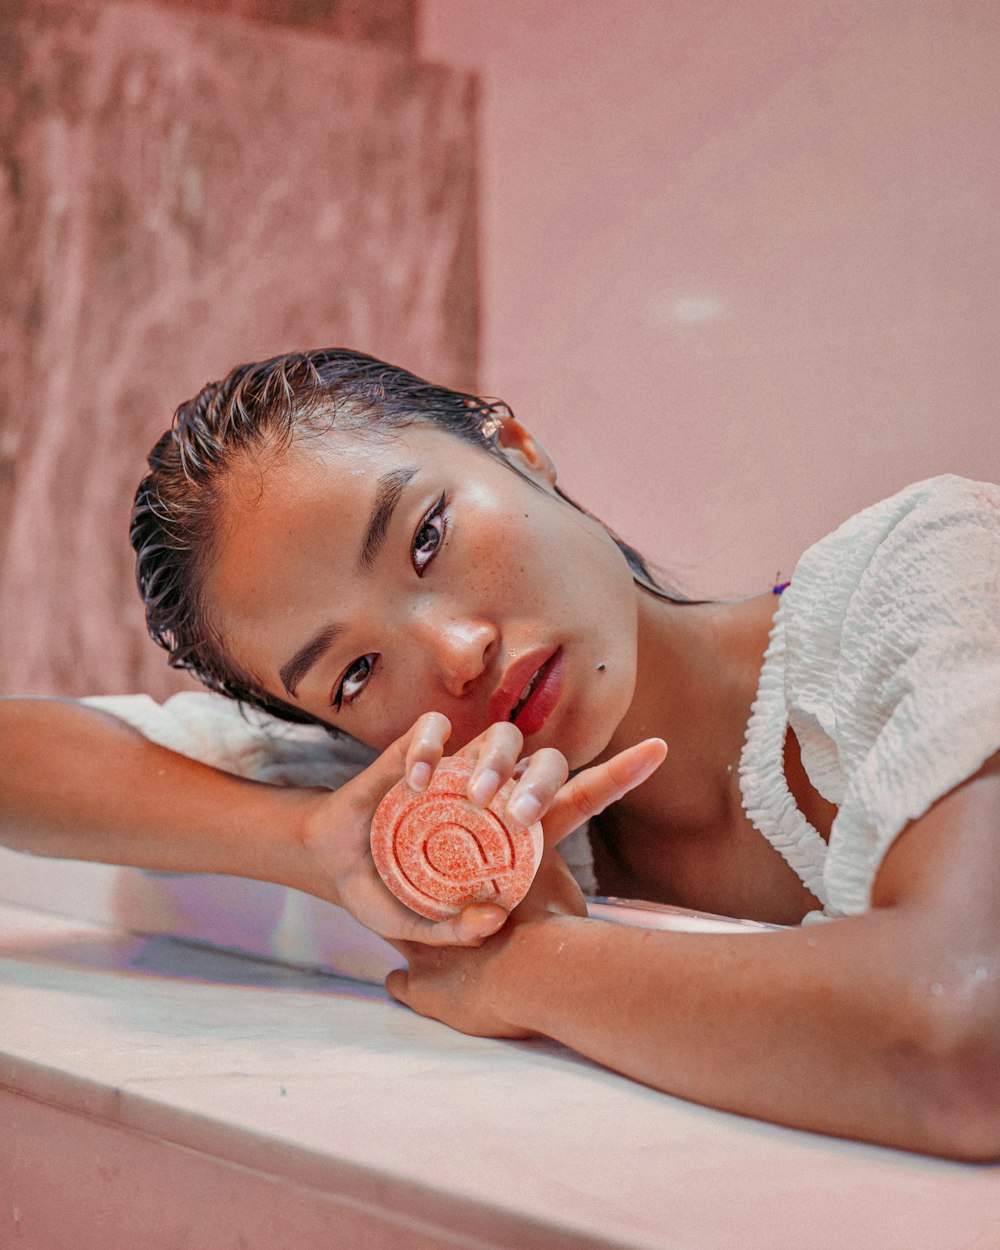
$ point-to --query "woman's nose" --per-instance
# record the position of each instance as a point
(464, 650)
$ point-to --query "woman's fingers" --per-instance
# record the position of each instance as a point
(470, 927)
(425, 747)
(541, 792)
(367, 899)
(594, 789)
(494, 753)
(537, 786)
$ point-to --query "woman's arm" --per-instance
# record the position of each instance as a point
(77, 783)
(884, 1027)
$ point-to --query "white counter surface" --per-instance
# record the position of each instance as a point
(323, 1095)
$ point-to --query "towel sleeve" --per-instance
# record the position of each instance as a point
(220, 732)
(917, 703)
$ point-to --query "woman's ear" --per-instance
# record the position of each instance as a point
(524, 451)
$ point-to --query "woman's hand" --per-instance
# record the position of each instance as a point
(465, 987)
(337, 837)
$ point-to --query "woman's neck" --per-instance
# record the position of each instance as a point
(697, 673)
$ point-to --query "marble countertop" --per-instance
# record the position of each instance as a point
(327, 1083)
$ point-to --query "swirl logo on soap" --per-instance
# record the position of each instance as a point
(438, 852)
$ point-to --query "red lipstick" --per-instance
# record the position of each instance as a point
(531, 713)
(519, 682)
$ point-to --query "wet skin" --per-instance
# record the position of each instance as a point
(480, 567)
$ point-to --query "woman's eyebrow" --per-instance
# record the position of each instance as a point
(303, 659)
(387, 492)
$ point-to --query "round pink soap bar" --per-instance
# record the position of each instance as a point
(438, 852)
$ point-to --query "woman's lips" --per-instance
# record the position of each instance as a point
(545, 696)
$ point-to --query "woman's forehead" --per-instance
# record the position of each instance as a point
(311, 462)
(355, 453)
(293, 498)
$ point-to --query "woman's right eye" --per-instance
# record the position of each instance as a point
(429, 537)
(353, 682)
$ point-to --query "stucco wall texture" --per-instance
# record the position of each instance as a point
(181, 191)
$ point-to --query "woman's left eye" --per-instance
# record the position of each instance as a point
(354, 681)
(429, 537)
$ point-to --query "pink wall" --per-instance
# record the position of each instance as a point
(184, 186)
(741, 261)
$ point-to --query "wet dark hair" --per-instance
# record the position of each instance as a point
(251, 417)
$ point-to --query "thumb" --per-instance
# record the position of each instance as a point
(397, 985)
(592, 790)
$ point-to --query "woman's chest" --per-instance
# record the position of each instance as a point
(727, 866)
(818, 811)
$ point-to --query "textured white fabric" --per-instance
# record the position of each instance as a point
(885, 660)
(217, 731)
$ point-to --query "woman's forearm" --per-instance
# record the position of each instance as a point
(76, 783)
(822, 1028)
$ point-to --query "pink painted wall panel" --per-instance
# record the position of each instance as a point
(389, 22)
(741, 259)
(181, 193)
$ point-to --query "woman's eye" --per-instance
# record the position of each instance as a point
(354, 680)
(429, 537)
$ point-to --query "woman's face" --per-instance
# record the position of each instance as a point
(369, 580)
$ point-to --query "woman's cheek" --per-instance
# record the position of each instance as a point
(402, 710)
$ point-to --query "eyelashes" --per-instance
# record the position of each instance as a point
(426, 543)
(429, 537)
(354, 680)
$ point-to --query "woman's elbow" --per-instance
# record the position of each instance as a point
(949, 1066)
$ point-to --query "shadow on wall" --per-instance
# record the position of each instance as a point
(184, 190)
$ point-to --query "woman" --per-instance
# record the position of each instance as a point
(333, 540)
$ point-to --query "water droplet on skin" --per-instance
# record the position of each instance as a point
(937, 988)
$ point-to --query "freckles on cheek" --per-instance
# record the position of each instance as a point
(486, 565)
(500, 557)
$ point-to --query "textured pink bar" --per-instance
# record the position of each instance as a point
(438, 852)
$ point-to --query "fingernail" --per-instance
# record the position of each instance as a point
(420, 775)
(483, 918)
(484, 787)
(524, 808)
